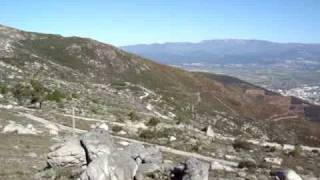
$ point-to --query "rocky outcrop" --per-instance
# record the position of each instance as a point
(95, 154)
(96, 143)
(115, 166)
(196, 170)
(67, 154)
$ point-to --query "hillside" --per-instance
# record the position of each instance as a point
(86, 61)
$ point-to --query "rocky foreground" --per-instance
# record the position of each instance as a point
(94, 156)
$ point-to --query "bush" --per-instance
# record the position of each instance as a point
(153, 121)
(133, 116)
(296, 152)
(247, 164)
(116, 129)
(22, 92)
(74, 96)
(33, 92)
(56, 96)
(148, 134)
(241, 144)
(4, 89)
(118, 83)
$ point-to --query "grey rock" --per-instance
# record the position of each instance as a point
(67, 154)
(196, 170)
(209, 131)
(144, 155)
(96, 143)
(114, 166)
(146, 169)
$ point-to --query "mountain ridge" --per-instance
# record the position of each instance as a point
(226, 51)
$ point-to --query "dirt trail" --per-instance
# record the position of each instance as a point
(254, 141)
(161, 148)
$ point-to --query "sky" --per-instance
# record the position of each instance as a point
(126, 22)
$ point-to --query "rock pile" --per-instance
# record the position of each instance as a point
(94, 156)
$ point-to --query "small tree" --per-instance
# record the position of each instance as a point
(153, 121)
(133, 116)
(56, 96)
(23, 92)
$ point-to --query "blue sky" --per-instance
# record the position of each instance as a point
(123, 22)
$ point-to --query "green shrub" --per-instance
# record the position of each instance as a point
(4, 89)
(116, 129)
(164, 133)
(297, 151)
(242, 144)
(153, 121)
(75, 96)
(118, 83)
(56, 96)
(196, 147)
(147, 134)
(33, 92)
(133, 116)
(22, 92)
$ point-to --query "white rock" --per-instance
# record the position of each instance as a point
(210, 132)
(32, 155)
(103, 126)
(19, 129)
(122, 132)
(9, 106)
(275, 160)
(53, 129)
(172, 115)
(149, 107)
(218, 166)
(172, 138)
(292, 175)
(124, 143)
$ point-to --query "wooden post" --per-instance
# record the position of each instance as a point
(73, 123)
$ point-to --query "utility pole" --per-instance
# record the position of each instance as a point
(198, 100)
(73, 123)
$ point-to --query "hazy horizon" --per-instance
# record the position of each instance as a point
(143, 22)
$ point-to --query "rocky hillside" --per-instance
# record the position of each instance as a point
(240, 129)
(58, 61)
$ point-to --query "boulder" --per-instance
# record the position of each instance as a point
(67, 154)
(209, 131)
(96, 143)
(287, 174)
(273, 160)
(115, 166)
(195, 170)
(220, 167)
(13, 127)
(144, 155)
(145, 170)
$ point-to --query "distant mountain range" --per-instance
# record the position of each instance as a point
(229, 51)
